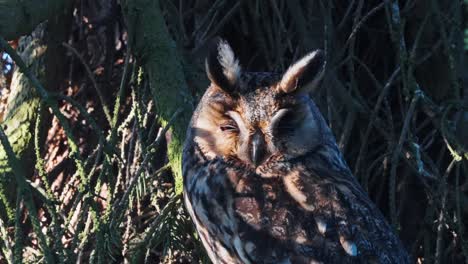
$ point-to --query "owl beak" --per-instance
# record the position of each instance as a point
(258, 149)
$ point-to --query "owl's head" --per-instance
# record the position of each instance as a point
(251, 117)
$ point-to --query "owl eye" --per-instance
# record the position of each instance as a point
(286, 124)
(229, 127)
(284, 121)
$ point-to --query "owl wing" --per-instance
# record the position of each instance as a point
(296, 218)
(345, 218)
(208, 196)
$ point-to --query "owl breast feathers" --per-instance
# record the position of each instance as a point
(264, 180)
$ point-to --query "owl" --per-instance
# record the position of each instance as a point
(264, 180)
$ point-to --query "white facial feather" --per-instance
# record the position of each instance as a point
(228, 61)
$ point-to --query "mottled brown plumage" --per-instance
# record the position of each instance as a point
(264, 179)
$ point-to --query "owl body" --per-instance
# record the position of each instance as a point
(264, 181)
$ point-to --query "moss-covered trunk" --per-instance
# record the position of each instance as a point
(44, 55)
(157, 53)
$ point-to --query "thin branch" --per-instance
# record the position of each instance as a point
(50, 103)
(441, 218)
(373, 117)
(93, 81)
(395, 158)
(363, 20)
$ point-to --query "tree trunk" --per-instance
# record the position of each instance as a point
(156, 51)
(43, 54)
(18, 18)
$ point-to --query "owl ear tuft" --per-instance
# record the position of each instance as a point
(222, 67)
(305, 74)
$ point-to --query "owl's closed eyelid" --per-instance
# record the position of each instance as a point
(238, 119)
(278, 116)
(229, 126)
(287, 119)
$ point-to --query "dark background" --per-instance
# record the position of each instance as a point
(100, 182)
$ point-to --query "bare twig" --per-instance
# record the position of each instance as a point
(50, 103)
(373, 117)
(394, 160)
(441, 219)
(93, 81)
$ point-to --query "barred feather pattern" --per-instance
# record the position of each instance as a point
(303, 209)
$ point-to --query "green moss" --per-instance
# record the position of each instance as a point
(159, 56)
(23, 105)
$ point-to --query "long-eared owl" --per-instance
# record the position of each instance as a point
(264, 180)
